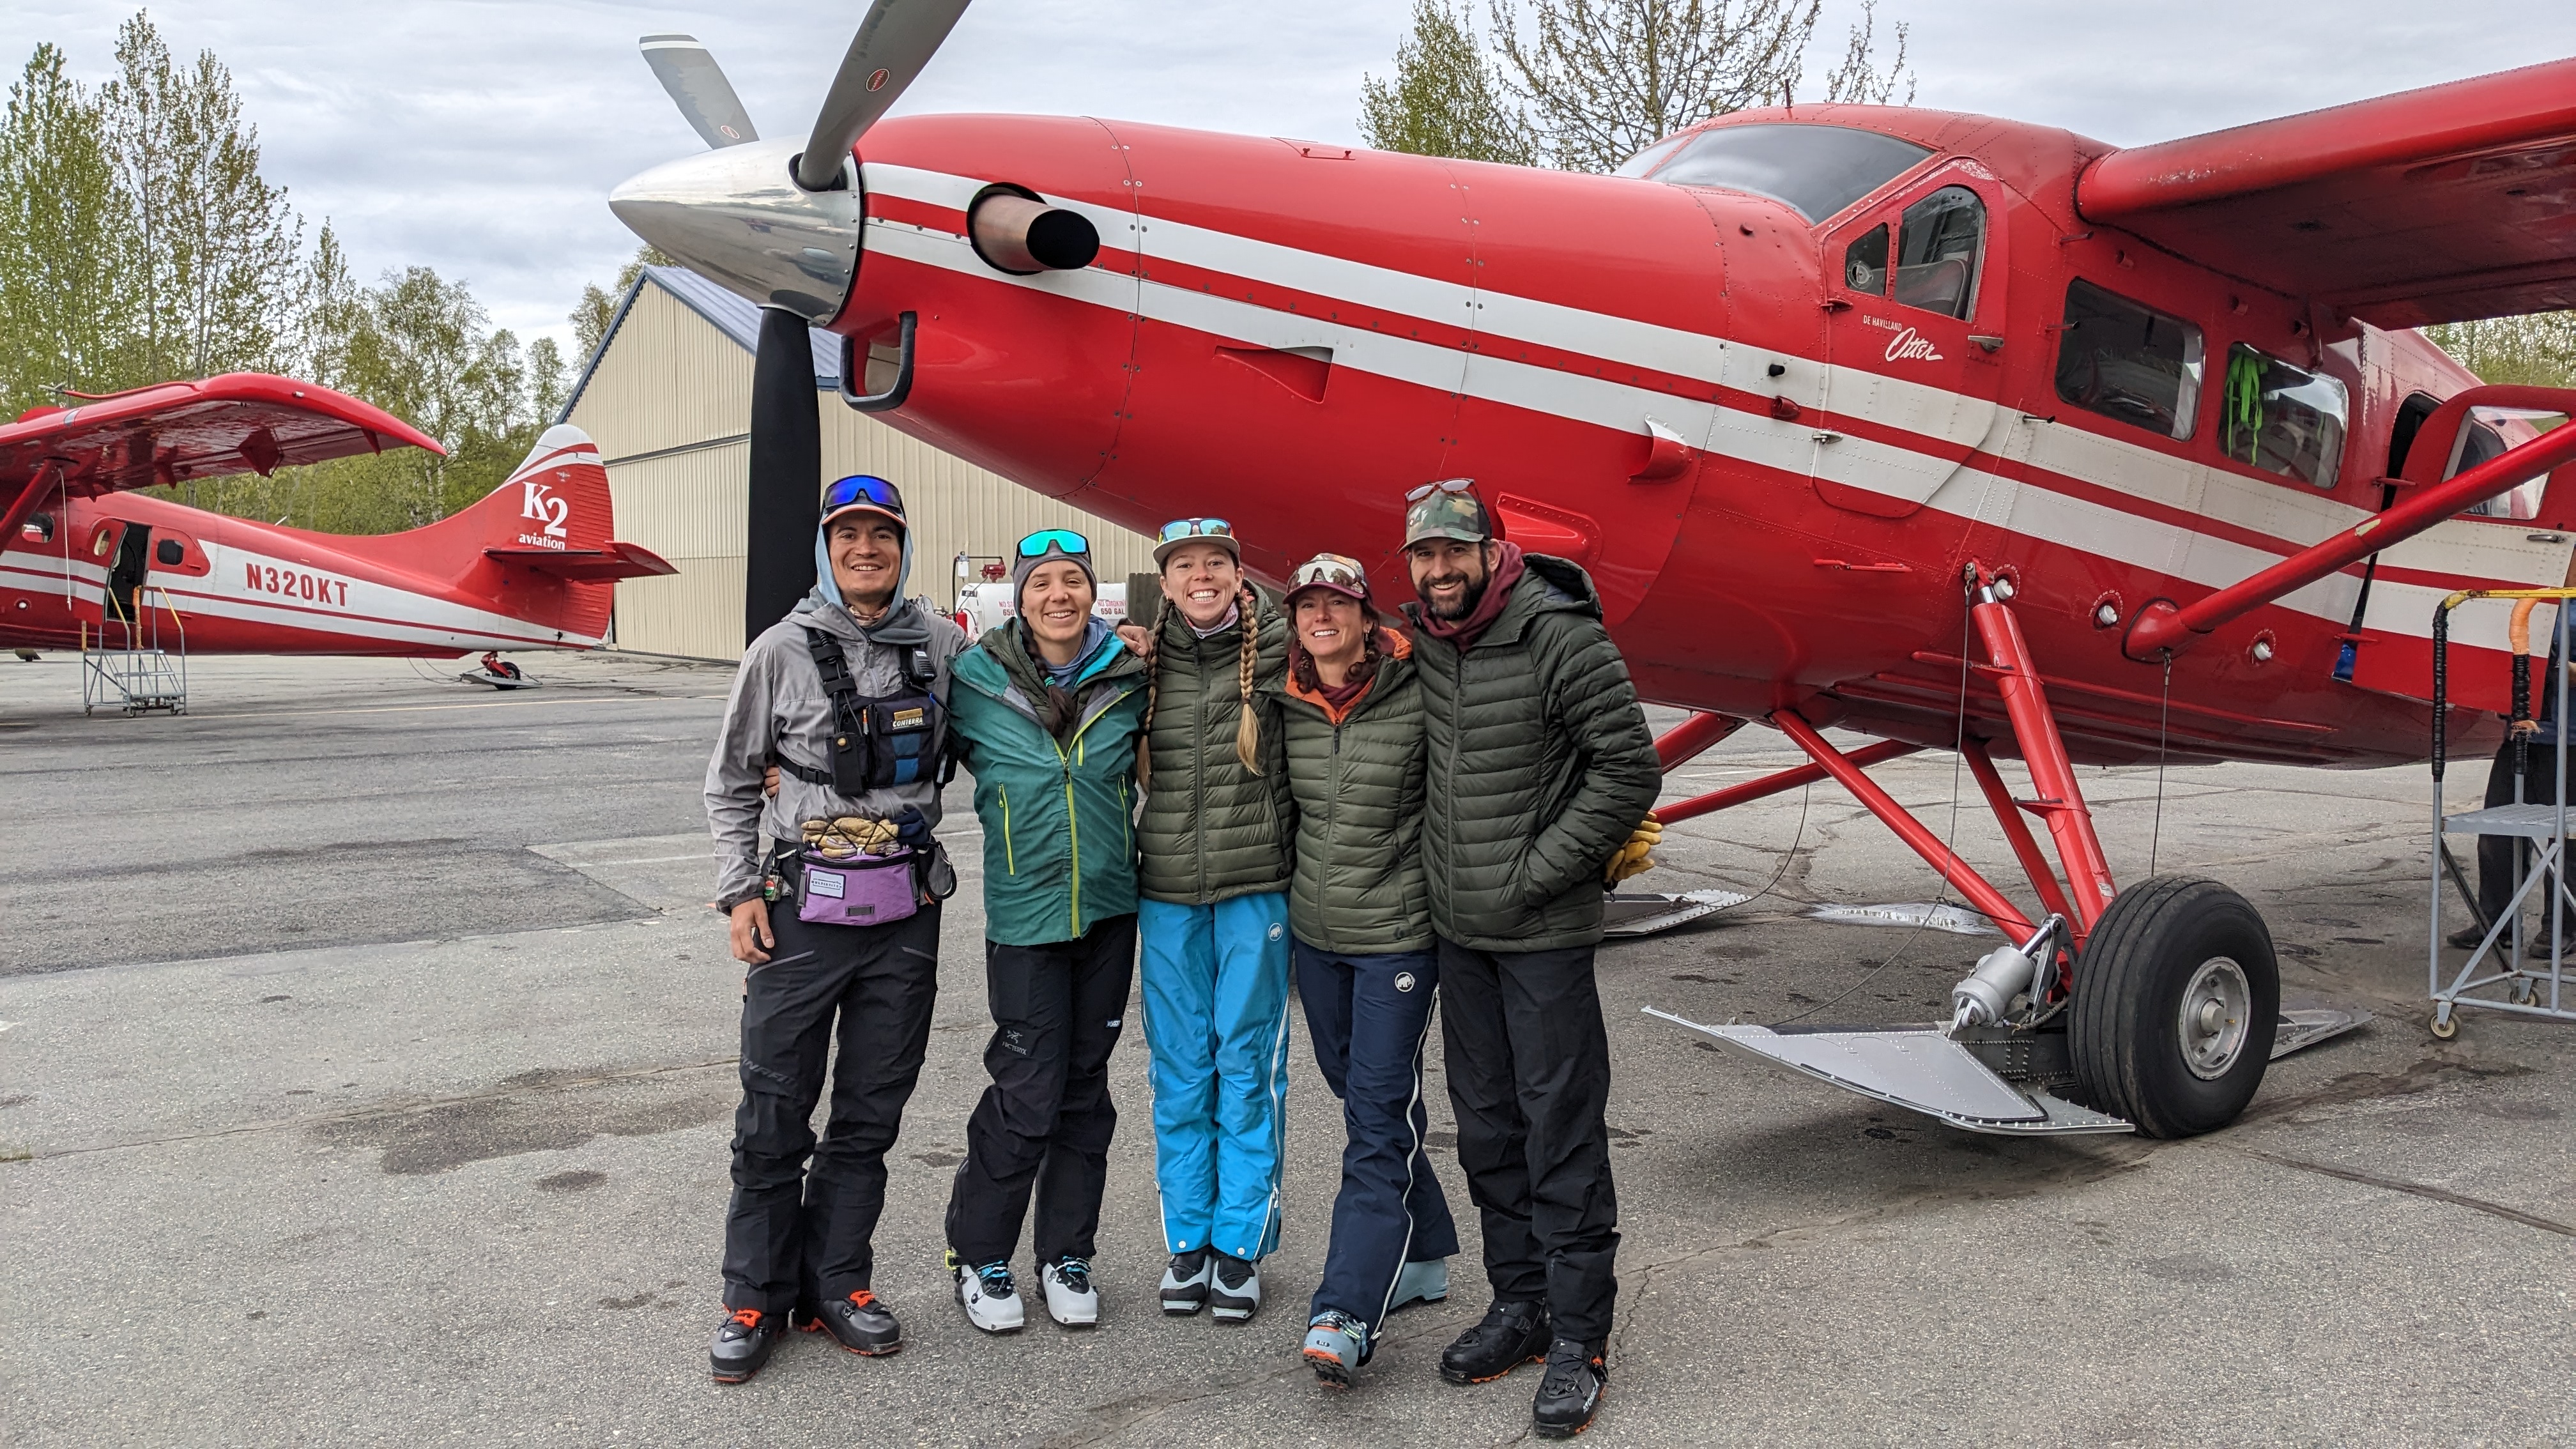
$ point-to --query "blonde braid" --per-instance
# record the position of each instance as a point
(1153, 687)
(1247, 728)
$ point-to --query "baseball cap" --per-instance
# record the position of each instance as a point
(1333, 573)
(1446, 509)
(1195, 530)
(863, 493)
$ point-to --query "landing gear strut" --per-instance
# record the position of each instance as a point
(2155, 1007)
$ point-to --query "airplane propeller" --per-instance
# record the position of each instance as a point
(894, 42)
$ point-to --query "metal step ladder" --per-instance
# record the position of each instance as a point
(142, 674)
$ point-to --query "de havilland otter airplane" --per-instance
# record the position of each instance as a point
(86, 561)
(1813, 393)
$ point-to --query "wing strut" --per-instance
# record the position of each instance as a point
(2164, 627)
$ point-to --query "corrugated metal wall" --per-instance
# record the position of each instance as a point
(668, 404)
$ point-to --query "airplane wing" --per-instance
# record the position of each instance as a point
(177, 432)
(2443, 204)
(612, 560)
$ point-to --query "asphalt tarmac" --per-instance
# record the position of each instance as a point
(366, 1077)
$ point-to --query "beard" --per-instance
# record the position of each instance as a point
(1468, 597)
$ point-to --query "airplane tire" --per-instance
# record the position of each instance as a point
(2176, 997)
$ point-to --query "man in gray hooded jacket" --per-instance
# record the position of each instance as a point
(797, 1238)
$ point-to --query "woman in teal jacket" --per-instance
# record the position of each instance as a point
(1045, 712)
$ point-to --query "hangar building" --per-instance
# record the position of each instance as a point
(667, 397)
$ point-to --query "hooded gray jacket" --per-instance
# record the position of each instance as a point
(779, 704)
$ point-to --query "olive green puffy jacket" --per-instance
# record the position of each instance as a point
(1359, 887)
(1540, 765)
(1211, 829)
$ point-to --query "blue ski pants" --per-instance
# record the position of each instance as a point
(1216, 1019)
(1369, 1018)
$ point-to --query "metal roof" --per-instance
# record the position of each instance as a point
(731, 315)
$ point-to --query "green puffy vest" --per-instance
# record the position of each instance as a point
(1540, 766)
(1213, 830)
(1359, 887)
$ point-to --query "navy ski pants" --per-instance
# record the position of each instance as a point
(1369, 1017)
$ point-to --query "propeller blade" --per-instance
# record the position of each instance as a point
(699, 88)
(894, 42)
(786, 501)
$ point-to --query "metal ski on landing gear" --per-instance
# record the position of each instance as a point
(1919, 1068)
(1646, 913)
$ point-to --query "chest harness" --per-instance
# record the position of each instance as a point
(880, 742)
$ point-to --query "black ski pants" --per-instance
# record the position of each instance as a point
(1529, 1077)
(1045, 1123)
(2496, 852)
(799, 1235)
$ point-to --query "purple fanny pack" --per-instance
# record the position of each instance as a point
(865, 890)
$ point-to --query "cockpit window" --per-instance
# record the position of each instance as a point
(1815, 170)
(1646, 160)
(1937, 244)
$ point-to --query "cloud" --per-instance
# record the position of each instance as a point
(482, 138)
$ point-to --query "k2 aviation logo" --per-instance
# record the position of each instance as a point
(539, 501)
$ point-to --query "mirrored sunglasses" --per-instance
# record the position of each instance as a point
(1181, 528)
(861, 490)
(1053, 540)
(1331, 568)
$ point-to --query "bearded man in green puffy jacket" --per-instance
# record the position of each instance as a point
(1540, 768)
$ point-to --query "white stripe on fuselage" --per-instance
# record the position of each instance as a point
(2285, 512)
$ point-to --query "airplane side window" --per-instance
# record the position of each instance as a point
(2128, 361)
(39, 528)
(170, 552)
(1865, 263)
(2282, 419)
(1937, 243)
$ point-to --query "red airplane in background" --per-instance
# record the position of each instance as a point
(88, 561)
(1825, 398)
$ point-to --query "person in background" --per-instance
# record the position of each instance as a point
(1213, 869)
(797, 1238)
(1524, 815)
(1046, 711)
(1360, 910)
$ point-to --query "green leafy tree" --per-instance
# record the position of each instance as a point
(2538, 349)
(598, 305)
(1446, 97)
(61, 218)
(214, 247)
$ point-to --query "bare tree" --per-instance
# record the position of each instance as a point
(1604, 79)
(1858, 78)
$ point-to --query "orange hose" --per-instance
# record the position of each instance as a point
(2519, 631)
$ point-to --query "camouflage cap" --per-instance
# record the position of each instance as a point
(1447, 511)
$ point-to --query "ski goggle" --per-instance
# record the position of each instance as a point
(859, 490)
(1445, 485)
(1181, 528)
(1054, 540)
(1332, 571)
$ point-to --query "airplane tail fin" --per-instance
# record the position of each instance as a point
(539, 547)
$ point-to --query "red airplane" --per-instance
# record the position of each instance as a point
(1824, 397)
(88, 563)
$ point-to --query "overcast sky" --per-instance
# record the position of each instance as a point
(481, 136)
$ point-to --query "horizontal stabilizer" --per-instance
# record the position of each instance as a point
(613, 560)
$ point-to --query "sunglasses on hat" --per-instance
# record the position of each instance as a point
(862, 491)
(1053, 540)
(1445, 485)
(1181, 528)
(1331, 570)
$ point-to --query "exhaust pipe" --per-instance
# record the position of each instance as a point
(1019, 234)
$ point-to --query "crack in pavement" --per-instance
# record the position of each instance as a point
(2416, 1189)
(521, 1086)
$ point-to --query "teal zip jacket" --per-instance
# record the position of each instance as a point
(1059, 832)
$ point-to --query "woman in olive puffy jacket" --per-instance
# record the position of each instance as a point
(1351, 715)
(1212, 872)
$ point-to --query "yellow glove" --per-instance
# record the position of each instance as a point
(1635, 856)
